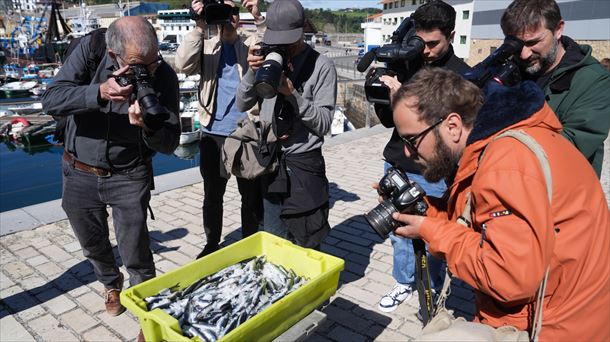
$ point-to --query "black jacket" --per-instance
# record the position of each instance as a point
(99, 134)
(394, 150)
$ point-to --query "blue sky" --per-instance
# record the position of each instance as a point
(336, 4)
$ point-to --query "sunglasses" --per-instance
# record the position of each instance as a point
(412, 142)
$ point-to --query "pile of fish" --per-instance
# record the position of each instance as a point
(213, 306)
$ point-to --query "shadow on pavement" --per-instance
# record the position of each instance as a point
(353, 241)
(343, 317)
(337, 194)
(76, 276)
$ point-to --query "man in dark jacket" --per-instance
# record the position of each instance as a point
(109, 145)
(574, 83)
(435, 24)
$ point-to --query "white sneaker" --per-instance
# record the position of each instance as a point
(399, 294)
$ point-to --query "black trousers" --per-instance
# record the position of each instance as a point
(85, 200)
(214, 186)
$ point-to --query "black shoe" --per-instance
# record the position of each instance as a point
(208, 249)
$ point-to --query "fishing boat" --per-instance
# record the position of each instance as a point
(17, 89)
(26, 109)
(189, 123)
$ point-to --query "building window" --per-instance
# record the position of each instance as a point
(395, 4)
(385, 6)
(492, 49)
(401, 19)
(402, 3)
(414, 2)
(390, 5)
(462, 40)
(179, 27)
(422, 1)
(465, 15)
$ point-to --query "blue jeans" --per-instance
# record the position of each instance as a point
(404, 257)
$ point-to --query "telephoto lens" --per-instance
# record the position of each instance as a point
(269, 75)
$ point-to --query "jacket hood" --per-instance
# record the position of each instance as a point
(518, 107)
(504, 107)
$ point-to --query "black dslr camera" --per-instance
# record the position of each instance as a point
(403, 59)
(268, 76)
(401, 195)
(153, 113)
(215, 12)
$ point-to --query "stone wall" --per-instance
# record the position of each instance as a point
(358, 111)
(481, 48)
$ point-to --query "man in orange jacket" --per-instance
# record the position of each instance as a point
(516, 233)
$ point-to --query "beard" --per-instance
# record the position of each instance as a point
(443, 164)
(544, 62)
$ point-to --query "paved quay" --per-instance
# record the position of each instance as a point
(49, 292)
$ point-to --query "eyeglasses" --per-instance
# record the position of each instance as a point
(412, 142)
(151, 67)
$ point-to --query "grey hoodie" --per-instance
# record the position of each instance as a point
(315, 106)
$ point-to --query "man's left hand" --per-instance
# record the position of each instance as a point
(252, 7)
(410, 225)
(286, 87)
(135, 116)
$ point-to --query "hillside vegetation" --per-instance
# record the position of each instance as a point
(336, 21)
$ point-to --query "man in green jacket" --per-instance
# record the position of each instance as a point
(574, 83)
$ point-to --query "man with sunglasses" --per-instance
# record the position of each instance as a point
(511, 215)
(435, 23)
(221, 61)
(108, 149)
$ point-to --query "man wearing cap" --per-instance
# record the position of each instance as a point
(296, 196)
(221, 61)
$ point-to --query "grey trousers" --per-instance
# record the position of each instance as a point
(85, 200)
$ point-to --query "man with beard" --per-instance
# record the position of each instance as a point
(222, 62)
(512, 221)
(435, 24)
(575, 84)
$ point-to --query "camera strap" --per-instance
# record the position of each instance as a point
(422, 280)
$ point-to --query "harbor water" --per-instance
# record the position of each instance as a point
(33, 175)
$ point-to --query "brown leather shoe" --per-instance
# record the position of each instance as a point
(113, 299)
(141, 336)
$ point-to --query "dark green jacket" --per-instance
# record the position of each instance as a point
(580, 96)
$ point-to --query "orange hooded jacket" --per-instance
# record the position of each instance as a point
(524, 232)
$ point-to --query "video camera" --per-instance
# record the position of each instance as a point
(498, 66)
(403, 59)
(269, 75)
(215, 12)
(401, 195)
(153, 113)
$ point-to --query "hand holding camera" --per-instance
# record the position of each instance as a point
(153, 113)
(255, 59)
(400, 195)
(113, 91)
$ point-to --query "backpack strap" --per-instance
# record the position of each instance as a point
(465, 219)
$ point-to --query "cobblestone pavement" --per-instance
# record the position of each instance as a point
(49, 292)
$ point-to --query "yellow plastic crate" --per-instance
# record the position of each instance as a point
(321, 269)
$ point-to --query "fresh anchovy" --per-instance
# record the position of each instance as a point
(211, 307)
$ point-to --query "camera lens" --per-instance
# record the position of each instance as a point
(380, 218)
(268, 76)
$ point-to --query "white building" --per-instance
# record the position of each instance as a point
(174, 23)
(395, 11)
(177, 23)
(372, 31)
(24, 5)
